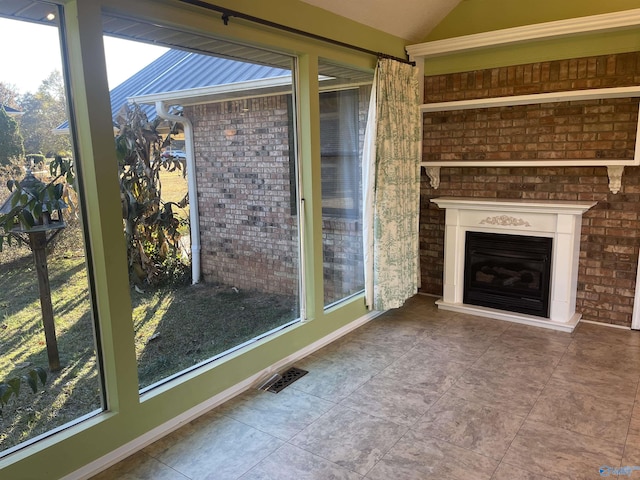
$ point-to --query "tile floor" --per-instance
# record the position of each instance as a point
(420, 393)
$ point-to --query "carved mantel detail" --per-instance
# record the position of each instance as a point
(505, 221)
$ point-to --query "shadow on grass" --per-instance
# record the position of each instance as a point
(74, 390)
(175, 328)
(202, 321)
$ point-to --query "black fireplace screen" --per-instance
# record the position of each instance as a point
(508, 272)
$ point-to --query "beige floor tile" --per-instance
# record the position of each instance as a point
(459, 349)
(617, 357)
(424, 393)
(617, 385)
(403, 335)
(508, 472)
(583, 413)
(392, 399)
(350, 350)
(331, 379)
(501, 391)
(220, 449)
(477, 427)
(631, 457)
(426, 371)
(518, 362)
(468, 326)
(282, 415)
(557, 453)
(418, 457)
(140, 466)
(605, 334)
(632, 446)
(292, 463)
(350, 439)
(540, 340)
(634, 425)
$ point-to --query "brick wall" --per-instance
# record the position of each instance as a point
(600, 129)
(248, 227)
(248, 220)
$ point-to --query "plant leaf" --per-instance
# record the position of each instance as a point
(5, 393)
(30, 379)
(14, 384)
(42, 374)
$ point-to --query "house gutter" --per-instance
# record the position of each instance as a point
(194, 216)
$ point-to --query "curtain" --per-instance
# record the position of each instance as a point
(391, 186)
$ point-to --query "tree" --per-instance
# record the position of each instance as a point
(9, 95)
(43, 112)
(151, 226)
(11, 143)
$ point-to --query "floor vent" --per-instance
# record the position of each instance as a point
(279, 382)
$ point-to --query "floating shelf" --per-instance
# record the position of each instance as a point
(615, 167)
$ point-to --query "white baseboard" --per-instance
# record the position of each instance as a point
(602, 324)
(160, 431)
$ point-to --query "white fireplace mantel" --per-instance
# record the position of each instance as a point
(559, 220)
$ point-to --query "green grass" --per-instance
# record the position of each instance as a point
(74, 390)
(175, 328)
(174, 188)
(174, 185)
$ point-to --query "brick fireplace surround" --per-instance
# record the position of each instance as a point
(595, 129)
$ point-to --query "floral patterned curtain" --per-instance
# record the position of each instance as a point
(391, 184)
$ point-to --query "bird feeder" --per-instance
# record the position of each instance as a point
(38, 233)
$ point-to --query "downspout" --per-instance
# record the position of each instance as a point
(194, 217)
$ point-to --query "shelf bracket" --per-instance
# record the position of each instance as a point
(615, 177)
(434, 176)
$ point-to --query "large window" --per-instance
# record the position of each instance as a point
(210, 214)
(344, 100)
(341, 172)
(47, 334)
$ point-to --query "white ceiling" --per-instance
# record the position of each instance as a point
(408, 19)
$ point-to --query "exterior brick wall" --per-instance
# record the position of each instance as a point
(248, 227)
(248, 217)
(601, 129)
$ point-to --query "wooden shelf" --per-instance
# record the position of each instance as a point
(615, 167)
(533, 99)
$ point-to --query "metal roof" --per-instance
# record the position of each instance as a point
(178, 71)
(194, 63)
(9, 110)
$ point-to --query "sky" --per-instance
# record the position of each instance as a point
(34, 53)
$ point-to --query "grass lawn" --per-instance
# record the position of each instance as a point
(75, 389)
(175, 328)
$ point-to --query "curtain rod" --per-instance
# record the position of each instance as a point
(227, 13)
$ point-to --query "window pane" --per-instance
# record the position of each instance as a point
(221, 169)
(344, 101)
(46, 321)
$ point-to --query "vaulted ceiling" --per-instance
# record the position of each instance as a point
(408, 19)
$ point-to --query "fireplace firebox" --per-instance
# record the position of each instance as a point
(508, 272)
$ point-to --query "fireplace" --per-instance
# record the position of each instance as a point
(508, 272)
(555, 225)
